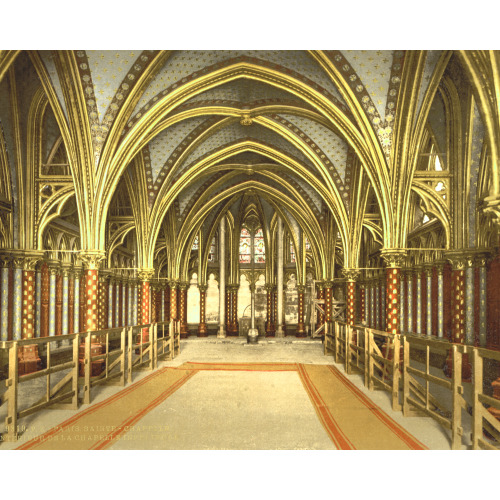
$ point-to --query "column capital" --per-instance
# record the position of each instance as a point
(457, 259)
(327, 284)
(350, 274)
(145, 274)
(66, 268)
(91, 258)
(393, 257)
(26, 259)
(203, 288)
(183, 285)
(54, 266)
(301, 288)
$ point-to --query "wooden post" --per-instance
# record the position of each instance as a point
(107, 355)
(88, 368)
(155, 346)
(347, 351)
(396, 374)
(370, 359)
(129, 348)
(367, 356)
(49, 365)
(477, 406)
(456, 416)
(406, 378)
(123, 347)
(11, 420)
(76, 346)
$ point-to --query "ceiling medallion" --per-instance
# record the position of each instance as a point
(246, 120)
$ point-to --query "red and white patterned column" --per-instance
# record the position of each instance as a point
(91, 260)
(184, 332)
(202, 327)
(362, 303)
(394, 260)
(301, 329)
(350, 275)
(269, 318)
(328, 285)
(145, 276)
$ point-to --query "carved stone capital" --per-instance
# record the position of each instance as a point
(457, 259)
(203, 288)
(328, 284)
(54, 267)
(301, 288)
(92, 258)
(66, 269)
(183, 285)
(393, 258)
(145, 274)
(350, 274)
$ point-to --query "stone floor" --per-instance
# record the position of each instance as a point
(215, 388)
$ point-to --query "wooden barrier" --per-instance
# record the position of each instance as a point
(383, 363)
(340, 341)
(64, 393)
(418, 398)
(355, 349)
(124, 351)
(329, 340)
(483, 421)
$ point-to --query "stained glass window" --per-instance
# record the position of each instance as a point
(211, 253)
(245, 246)
(308, 245)
(292, 252)
(259, 247)
(196, 244)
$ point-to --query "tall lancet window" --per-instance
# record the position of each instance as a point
(212, 251)
(245, 246)
(259, 247)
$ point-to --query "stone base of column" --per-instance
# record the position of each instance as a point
(28, 360)
(301, 330)
(496, 394)
(280, 332)
(202, 330)
(184, 332)
(270, 331)
(221, 334)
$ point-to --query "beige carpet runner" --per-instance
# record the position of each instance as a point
(351, 420)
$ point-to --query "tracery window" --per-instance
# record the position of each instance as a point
(292, 252)
(259, 247)
(212, 252)
(245, 246)
(196, 243)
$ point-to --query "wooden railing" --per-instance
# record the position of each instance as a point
(483, 421)
(105, 356)
(419, 398)
(401, 365)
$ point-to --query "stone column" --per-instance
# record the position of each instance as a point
(350, 275)
(428, 298)
(234, 308)
(279, 277)
(71, 301)
(103, 297)
(362, 303)
(120, 301)
(83, 301)
(66, 270)
(252, 305)
(409, 300)
(402, 300)
(183, 286)
(458, 264)
(301, 329)
(440, 304)
(222, 278)
(481, 278)
(59, 301)
(202, 327)
(154, 311)
(4, 297)
(76, 318)
(167, 303)
(469, 300)
(269, 314)
(418, 312)
(145, 275)
(91, 260)
(173, 300)
(394, 259)
(53, 272)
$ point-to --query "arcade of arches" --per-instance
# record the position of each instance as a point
(220, 188)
